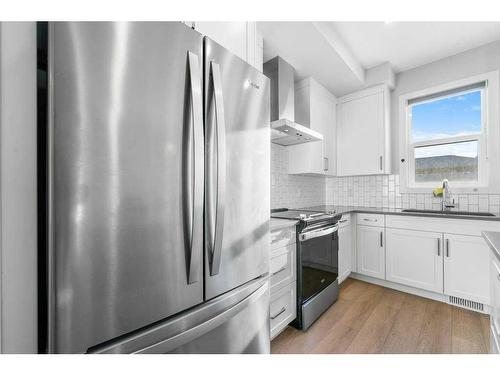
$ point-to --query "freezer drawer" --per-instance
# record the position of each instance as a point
(234, 323)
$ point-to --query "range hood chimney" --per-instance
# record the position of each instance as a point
(284, 130)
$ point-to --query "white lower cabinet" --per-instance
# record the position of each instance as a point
(282, 267)
(283, 275)
(495, 304)
(415, 258)
(370, 251)
(345, 249)
(466, 263)
(283, 308)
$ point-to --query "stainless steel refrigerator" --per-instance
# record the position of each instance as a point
(158, 200)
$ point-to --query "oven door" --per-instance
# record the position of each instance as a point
(318, 260)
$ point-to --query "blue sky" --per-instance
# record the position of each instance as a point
(457, 115)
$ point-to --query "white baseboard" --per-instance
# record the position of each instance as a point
(411, 290)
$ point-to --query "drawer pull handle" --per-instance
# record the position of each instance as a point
(283, 309)
(374, 220)
(342, 221)
(278, 271)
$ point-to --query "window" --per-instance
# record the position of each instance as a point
(447, 136)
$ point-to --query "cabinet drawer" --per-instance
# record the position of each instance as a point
(282, 267)
(282, 237)
(283, 308)
(345, 220)
(375, 220)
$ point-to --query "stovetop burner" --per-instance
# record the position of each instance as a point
(297, 214)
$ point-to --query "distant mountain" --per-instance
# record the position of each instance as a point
(452, 167)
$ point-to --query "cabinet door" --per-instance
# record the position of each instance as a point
(323, 120)
(466, 268)
(495, 295)
(315, 107)
(415, 258)
(370, 250)
(345, 245)
(361, 136)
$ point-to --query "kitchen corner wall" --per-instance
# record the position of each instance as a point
(293, 191)
(383, 191)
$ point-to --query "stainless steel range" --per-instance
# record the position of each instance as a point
(317, 262)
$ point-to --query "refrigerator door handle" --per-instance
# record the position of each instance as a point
(220, 131)
(194, 172)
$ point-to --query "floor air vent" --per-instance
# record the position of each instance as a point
(462, 302)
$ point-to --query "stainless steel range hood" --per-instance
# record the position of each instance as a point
(284, 130)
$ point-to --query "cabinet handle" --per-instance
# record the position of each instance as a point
(278, 271)
(283, 309)
(342, 221)
(439, 247)
(498, 277)
(381, 168)
(447, 247)
(374, 220)
(381, 239)
(325, 164)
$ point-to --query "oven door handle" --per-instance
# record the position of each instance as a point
(317, 233)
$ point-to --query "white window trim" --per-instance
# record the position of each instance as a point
(489, 172)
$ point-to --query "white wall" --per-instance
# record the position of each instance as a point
(469, 63)
(18, 281)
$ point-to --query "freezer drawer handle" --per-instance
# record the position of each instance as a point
(278, 271)
(194, 172)
(283, 309)
(215, 229)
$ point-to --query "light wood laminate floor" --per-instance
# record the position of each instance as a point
(369, 318)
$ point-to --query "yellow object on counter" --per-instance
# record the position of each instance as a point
(438, 192)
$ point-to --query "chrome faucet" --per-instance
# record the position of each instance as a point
(446, 204)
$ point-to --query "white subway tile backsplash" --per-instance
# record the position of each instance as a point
(295, 191)
(383, 191)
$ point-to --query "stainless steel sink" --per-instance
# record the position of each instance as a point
(464, 213)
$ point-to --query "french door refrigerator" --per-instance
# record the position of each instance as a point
(158, 170)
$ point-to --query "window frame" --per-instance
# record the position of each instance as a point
(488, 155)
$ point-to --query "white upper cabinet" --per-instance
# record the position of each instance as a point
(315, 108)
(240, 38)
(363, 139)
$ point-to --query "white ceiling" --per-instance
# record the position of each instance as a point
(407, 45)
(337, 53)
(304, 47)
